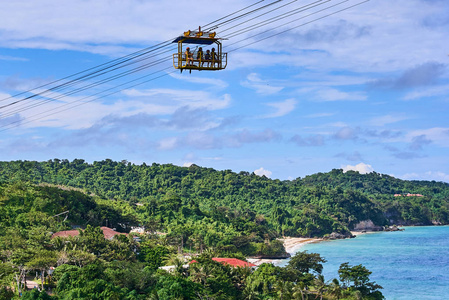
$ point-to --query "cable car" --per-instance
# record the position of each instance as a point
(199, 58)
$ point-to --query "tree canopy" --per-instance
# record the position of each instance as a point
(190, 210)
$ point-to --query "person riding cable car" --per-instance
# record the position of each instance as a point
(188, 57)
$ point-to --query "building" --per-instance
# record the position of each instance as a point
(108, 233)
(233, 262)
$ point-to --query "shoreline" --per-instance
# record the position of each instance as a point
(294, 244)
(357, 233)
(291, 244)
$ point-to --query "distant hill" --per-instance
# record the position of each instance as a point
(376, 184)
(312, 206)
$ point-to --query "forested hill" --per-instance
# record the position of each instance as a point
(313, 206)
(377, 185)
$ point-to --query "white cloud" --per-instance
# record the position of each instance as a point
(72, 112)
(320, 78)
(3, 98)
(208, 82)
(262, 172)
(282, 108)
(427, 92)
(187, 164)
(437, 135)
(63, 24)
(6, 57)
(354, 39)
(330, 94)
(217, 158)
(429, 175)
(168, 143)
(387, 119)
(76, 113)
(191, 98)
(362, 168)
(338, 124)
(263, 87)
(247, 59)
(346, 133)
(320, 115)
(254, 77)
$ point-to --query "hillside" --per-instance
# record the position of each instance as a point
(312, 206)
(186, 210)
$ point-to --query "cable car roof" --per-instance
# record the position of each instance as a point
(195, 40)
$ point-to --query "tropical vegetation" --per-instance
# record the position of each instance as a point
(190, 211)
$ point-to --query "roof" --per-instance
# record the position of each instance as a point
(107, 232)
(66, 233)
(233, 262)
(195, 40)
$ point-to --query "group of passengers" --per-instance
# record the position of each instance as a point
(210, 57)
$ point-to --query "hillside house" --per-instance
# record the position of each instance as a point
(108, 233)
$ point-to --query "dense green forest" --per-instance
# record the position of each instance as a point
(190, 210)
(312, 206)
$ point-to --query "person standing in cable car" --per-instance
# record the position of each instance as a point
(199, 57)
(189, 57)
(213, 57)
(207, 58)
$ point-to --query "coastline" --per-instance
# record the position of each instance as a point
(294, 244)
(356, 233)
(291, 244)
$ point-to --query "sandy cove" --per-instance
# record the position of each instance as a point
(356, 233)
(291, 244)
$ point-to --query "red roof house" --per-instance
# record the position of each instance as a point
(233, 262)
(66, 233)
(108, 233)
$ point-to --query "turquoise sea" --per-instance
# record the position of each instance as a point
(409, 264)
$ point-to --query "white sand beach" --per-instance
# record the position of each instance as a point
(356, 233)
(291, 244)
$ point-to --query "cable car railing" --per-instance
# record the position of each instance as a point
(218, 63)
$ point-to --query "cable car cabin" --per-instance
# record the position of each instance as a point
(198, 50)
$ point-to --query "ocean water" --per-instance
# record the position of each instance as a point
(409, 264)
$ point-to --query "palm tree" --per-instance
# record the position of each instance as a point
(299, 289)
(153, 296)
(250, 294)
(320, 285)
(253, 284)
(335, 289)
(239, 276)
(284, 289)
(198, 273)
(179, 267)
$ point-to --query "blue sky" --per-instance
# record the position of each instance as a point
(364, 89)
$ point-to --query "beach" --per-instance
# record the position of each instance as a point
(291, 244)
